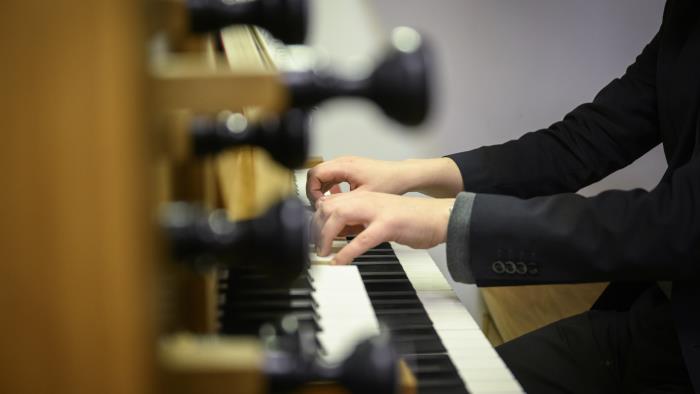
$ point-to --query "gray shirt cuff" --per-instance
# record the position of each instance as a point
(458, 238)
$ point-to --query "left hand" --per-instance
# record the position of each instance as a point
(376, 218)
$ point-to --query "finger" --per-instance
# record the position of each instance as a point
(325, 207)
(321, 178)
(318, 202)
(331, 228)
(372, 236)
(324, 204)
(313, 186)
(316, 224)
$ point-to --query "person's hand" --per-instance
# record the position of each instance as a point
(438, 177)
(376, 218)
(360, 173)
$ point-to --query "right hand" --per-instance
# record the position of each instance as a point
(360, 173)
(376, 218)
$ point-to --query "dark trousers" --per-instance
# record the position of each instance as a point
(635, 351)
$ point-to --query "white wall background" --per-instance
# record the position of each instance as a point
(503, 67)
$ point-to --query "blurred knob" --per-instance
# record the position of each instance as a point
(372, 367)
(275, 243)
(284, 19)
(286, 137)
(399, 84)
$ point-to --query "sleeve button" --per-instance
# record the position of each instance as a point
(498, 267)
(532, 269)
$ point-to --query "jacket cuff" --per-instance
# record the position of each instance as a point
(458, 238)
(476, 175)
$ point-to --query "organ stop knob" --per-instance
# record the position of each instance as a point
(285, 138)
(284, 19)
(275, 243)
(399, 84)
(371, 368)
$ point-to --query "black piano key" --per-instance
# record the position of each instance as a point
(387, 285)
(379, 252)
(451, 386)
(406, 311)
(417, 340)
(387, 259)
(443, 374)
(229, 325)
(384, 275)
(381, 246)
(262, 292)
(302, 283)
(380, 267)
(418, 345)
(400, 318)
(271, 312)
(403, 302)
(417, 329)
(389, 294)
(427, 363)
(361, 264)
(306, 303)
(274, 316)
(440, 381)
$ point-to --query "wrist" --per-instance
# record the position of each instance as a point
(443, 215)
(437, 177)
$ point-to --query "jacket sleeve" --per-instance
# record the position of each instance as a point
(594, 140)
(617, 235)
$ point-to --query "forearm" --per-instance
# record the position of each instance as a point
(630, 235)
(439, 177)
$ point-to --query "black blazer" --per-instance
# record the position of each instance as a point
(529, 227)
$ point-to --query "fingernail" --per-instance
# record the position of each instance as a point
(334, 262)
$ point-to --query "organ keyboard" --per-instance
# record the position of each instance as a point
(391, 287)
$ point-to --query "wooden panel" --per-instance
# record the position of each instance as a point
(75, 205)
(250, 180)
(188, 299)
(223, 365)
(517, 310)
(490, 330)
(200, 89)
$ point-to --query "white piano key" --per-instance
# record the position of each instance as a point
(315, 259)
(323, 260)
(300, 185)
(337, 244)
(346, 313)
(420, 269)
